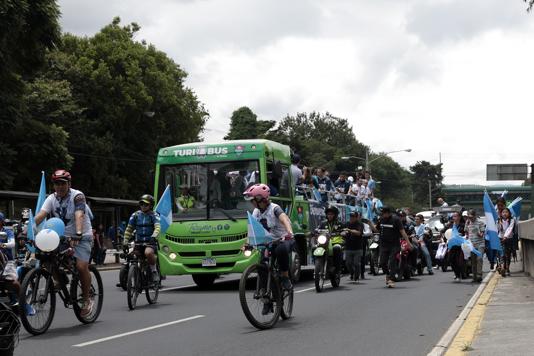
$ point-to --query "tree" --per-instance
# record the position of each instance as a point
(530, 4)
(244, 124)
(320, 139)
(132, 101)
(423, 172)
(27, 30)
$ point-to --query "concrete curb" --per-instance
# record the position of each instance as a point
(448, 337)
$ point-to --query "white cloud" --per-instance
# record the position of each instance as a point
(445, 76)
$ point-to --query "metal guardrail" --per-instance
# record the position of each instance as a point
(526, 235)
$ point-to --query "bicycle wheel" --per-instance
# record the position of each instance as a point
(132, 286)
(287, 304)
(261, 305)
(152, 289)
(37, 291)
(96, 293)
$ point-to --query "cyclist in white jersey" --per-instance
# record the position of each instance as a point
(70, 206)
(275, 221)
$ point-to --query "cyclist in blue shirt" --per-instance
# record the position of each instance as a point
(145, 223)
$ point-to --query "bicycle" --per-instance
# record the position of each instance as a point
(51, 277)
(260, 286)
(140, 278)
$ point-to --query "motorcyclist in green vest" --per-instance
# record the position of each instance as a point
(335, 228)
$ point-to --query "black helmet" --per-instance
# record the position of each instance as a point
(148, 199)
(332, 209)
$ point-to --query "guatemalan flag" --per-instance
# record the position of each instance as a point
(256, 232)
(164, 208)
(515, 207)
(491, 224)
(42, 196)
(30, 234)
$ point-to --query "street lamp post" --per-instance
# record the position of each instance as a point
(366, 159)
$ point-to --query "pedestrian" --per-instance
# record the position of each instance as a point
(296, 172)
(391, 231)
(354, 245)
(491, 253)
(419, 231)
(442, 203)
(505, 229)
(474, 231)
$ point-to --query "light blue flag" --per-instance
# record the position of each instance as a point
(256, 232)
(317, 195)
(515, 207)
(472, 248)
(30, 234)
(370, 214)
(491, 224)
(164, 208)
(42, 196)
(456, 239)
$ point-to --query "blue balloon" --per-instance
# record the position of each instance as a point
(55, 224)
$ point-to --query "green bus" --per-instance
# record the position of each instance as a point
(209, 213)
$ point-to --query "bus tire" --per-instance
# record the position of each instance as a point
(204, 281)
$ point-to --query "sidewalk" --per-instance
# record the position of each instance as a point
(507, 325)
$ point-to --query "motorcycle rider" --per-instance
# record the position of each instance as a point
(275, 221)
(146, 224)
(419, 231)
(391, 231)
(334, 227)
(69, 205)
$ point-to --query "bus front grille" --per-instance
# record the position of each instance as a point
(231, 238)
(225, 253)
(180, 239)
(219, 265)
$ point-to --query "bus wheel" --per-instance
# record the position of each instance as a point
(204, 281)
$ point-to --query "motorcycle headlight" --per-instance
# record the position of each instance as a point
(321, 239)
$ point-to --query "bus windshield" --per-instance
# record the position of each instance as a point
(210, 191)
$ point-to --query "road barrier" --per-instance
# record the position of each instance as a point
(526, 235)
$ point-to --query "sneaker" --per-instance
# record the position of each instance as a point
(267, 308)
(29, 309)
(286, 283)
(87, 308)
(456, 279)
(492, 266)
(430, 272)
(390, 284)
(155, 276)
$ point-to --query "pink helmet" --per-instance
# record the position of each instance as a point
(261, 191)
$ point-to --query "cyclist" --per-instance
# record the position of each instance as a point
(275, 221)
(145, 222)
(334, 227)
(69, 205)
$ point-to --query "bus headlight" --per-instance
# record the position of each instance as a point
(172, 256)
(166, 249)
(247, 253)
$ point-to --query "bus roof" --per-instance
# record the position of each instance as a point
(234, 149)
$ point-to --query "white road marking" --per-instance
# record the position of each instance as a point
(137, 331)
(308, 289)
(176, 288)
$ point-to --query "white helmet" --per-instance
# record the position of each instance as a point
(350, 179)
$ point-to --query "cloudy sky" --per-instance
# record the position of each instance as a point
(449, 76)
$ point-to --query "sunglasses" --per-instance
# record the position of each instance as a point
(143, 204)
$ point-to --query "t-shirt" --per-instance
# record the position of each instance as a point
(296, 174)
(270, 219)
(64, 208)
(353, 242)
(471, 231)
(390, 230)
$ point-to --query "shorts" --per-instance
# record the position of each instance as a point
(82, 251)
(141, 249)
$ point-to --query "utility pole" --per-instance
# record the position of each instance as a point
(430, 194)
(366, 160)
(532, 191)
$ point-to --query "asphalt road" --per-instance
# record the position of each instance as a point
(356, 319)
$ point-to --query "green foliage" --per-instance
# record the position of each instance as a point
(244, 124)
(322, 139)
(423, 172)
(27, 30)
(134, 102)
(530, 4)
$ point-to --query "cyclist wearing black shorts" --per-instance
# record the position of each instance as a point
(145, 223)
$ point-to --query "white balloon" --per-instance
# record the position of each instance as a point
(448, 234)
(47, 240)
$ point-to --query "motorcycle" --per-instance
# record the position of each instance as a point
(403, 259)
(323, 253)
(374, 253)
